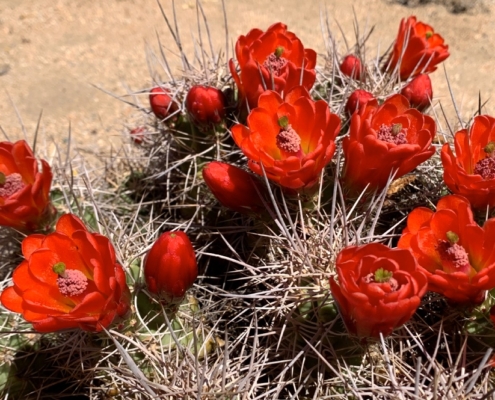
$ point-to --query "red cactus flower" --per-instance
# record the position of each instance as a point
(161, 103)
(471, 172)
(69, 279)
(274, 60)
(417, 49)
(170, 267)
(205, 105)
(357, 100)
(419, 92)
(24, 189)
(387, 140)
(290, 140)
(378, 289)
(234, 188)
(457, 254)
(352, 67)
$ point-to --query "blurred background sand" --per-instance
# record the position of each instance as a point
(51, 51)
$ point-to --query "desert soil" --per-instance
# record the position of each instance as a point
(53, 51)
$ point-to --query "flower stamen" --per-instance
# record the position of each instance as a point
(454, 257)
(382, 276)
(70, 282)
(10, 184)
(275, 64)
(288, 140)
(485, 168)
(395, 134)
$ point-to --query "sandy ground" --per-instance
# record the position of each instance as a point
(51, 51)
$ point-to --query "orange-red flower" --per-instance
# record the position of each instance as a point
(24, 189)
(417, 49)
(458, 254)
(69, 279)
(291, 140)
(274, 60)
(234, 188)
(170, 266)
(378, 288)
(352, 67)
(385, 140)
(205, 105)
(471, 172)
(419, 92)
(161, 103)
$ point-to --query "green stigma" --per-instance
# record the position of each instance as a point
(279, 51)
(452, 237)
(283, 122)
(489, 147)
(3, 178)
(396, 129)
(59, 268)
(382, 275)
(429, 34)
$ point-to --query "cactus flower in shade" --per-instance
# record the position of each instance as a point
(161, 103)
(457, 254)
(274, 60)
(170, 266)
(69, 279)
(234, 188)
(385, 140)
(378, 288)
(205, 105)
(357, 100)
(417, 49)
(292, 140)
(24, 189)
(352, 67)
(419, 92)
(471, 171)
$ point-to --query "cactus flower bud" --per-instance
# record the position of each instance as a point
(351, 66)
(357, 100)
(161, 103)
(419, 92)
(234, 188)
(170, 267)
(205, 105)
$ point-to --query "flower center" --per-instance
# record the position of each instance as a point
(10, 184)
(428, 34)
(395, 134)
(486, 167)
(275, 63)
(288, 140)
(70, 282)
(454, 257)
(382, 276)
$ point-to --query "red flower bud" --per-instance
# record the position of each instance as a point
(351, 66)
(161, 103)
(170, 267)
(419, 92)
(234, 188)
(205, 105)
(357, 101)
(137, 134)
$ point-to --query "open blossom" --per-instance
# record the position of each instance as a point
(274, 60)
(24, 188)
(378, 288)
(417, 49)
(205, 105)
(290, 140)
(69, 279)
(234, 188)
(170, 266)
(457, 254)
(385, 140)
(471, 171)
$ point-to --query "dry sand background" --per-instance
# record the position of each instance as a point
(51, 50)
